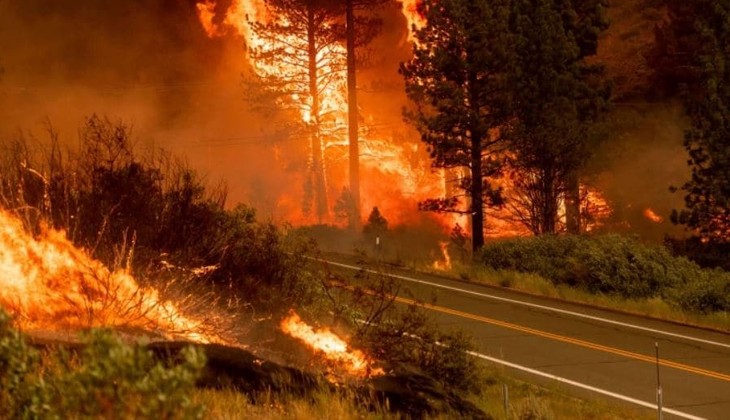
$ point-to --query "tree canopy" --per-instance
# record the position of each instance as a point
(554, 101)
(707, 193)
(456, 80)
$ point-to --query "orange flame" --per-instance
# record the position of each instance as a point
(415, 20)
(651, 215)
(384, 161)
(396, 175)
(206, 14)
(332, 347)
(445, 264)
(48, 283)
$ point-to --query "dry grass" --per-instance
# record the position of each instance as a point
(232, 405)
(548, 402)
(525, 400)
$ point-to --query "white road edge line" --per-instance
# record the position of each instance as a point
(532, 305)
(586, 387)
(571, 382)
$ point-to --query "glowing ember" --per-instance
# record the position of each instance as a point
(332, 347)
(47, 283)
(651, 215)
(446, 263)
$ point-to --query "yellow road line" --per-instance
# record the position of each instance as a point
(565, 339)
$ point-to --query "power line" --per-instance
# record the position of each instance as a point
(258, 139)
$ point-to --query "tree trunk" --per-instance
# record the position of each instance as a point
(477, 195)
(549, 216)
(477, 188)
(549, 202)
(352, 113)
(320, 182)
(572, 205)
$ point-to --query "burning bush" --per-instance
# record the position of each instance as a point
(48, 283)
(109, 199)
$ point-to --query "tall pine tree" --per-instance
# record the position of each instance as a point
(586, 20)
(361, 29)
(554, 101)
(707, 199)
(297, 60)
(456, 80)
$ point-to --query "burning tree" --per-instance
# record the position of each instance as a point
(298, 57)
(360, 30)
(457, 82)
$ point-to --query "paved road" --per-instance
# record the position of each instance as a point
(588, 351)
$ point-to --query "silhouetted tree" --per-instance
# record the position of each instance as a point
(707, 199)
(586, 20)
(554, 101)
(457, 82)
(376, 226)
(360, 31)
(673, 57)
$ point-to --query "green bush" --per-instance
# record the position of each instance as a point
(106, 379)
(23, 394)
(613, 265)
(407, 336)
(610, 264)
(708, 292)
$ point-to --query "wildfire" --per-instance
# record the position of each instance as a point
(47, 283)
(415, 19)
(651, 215)
(206, 13)
(396, 176)
(596, 209)
(444, 264)
(384, 162)
(332, 347)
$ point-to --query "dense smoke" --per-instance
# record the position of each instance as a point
(643, 153)
(148, 63)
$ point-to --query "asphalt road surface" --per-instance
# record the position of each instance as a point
(586, 351)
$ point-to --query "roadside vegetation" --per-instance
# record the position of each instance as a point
(152, 216)
(527, 402)
(611, 271)
(107, 377)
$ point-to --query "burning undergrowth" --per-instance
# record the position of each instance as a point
(50, 284)
(333, 349)
(104, 237)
